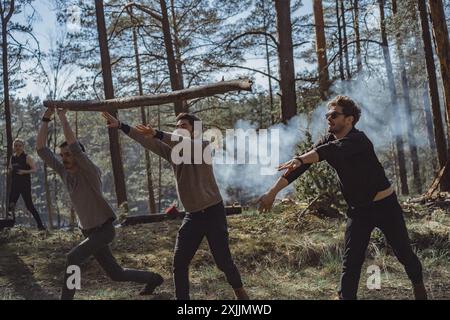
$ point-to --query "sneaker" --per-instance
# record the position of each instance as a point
(151, 286)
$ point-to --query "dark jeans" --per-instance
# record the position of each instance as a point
(97, 244)
(24, 191)
(212, 224)
(387, 215)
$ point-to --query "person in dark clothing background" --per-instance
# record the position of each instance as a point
(371, 199)
(21, 166)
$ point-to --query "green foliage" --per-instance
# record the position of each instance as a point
(320, 179)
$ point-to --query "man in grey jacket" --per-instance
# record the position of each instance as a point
(199, 194)
(82, 179)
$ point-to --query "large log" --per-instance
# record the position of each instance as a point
(158, 217)
(152, 100)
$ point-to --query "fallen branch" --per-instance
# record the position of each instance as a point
(152, 100)
(308, 207)
(435, 184)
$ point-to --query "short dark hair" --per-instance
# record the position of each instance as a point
(65, 144)
(349, 107)
(189, 117)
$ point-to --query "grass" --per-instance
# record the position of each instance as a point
(279, 256)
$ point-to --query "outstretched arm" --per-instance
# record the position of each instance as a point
(144, 137)
(294, 169)
(267, 199)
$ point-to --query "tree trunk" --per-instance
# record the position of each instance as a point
(54, 136)
(269, 71)
(439, 134)
(176, 81)
(148, 167)
(341, 62)
(396, 173)
(440, 31)
(5, 18)
(176, 44)
(321, 49)
(159, 166)
(408, 111)
(396, 112)
(286, 60)
(114, 146)
(357, 35)
(442, 45)
(344, 40)
(48, 198)
(429, 123)
(55, 192)
(72, 209)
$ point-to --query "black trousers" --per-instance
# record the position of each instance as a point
(97, 244)
(387, 215)
(24, 190)
(212, 224)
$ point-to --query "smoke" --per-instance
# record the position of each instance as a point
(378, 120)
(245, 182)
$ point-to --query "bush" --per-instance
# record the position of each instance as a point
(320, 179)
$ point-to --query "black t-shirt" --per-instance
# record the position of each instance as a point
(361, 175)
(20, 163)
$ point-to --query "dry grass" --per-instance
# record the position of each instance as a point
(279, 257)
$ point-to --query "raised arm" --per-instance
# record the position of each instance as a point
(68, 133)
(83, 160)
(41, 139)
(45, 153)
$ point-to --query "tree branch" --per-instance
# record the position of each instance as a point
(10, 12)
(252, 33)
(145, 9)
(221, 65)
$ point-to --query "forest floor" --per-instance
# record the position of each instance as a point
(279, 256)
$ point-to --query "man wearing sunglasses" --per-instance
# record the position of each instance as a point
(371, 200)
(82, 179)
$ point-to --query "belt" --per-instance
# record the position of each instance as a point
(207, 209)
(110, 220)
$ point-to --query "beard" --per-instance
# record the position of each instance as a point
(335, 128)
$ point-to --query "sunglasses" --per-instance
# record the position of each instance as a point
(333, 114)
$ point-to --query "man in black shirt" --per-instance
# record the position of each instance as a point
(371, 200)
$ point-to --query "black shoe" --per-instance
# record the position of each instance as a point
(151, 286)
(420, 292)
(42, 228)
